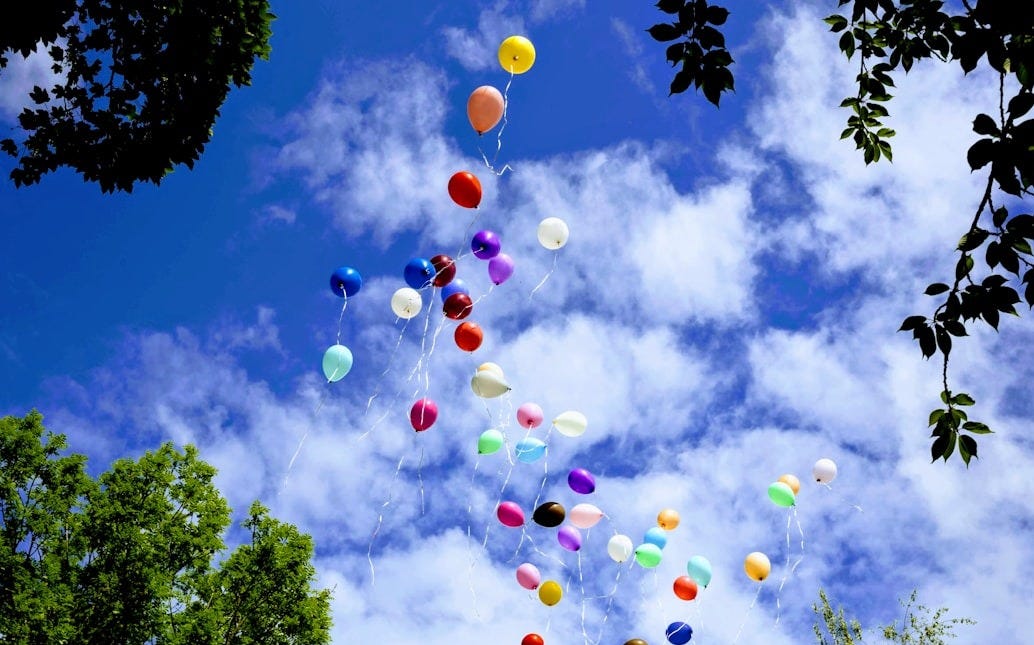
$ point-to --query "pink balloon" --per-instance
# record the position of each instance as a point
(529, 415)
(510, 514)
(423, 414)
(584, 516)
(500, 268)
(528, 576)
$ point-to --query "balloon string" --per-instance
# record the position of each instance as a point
(745, 616)
(420, 478)
(305, 435)
(377, 390)
(380, 520)
(470, 554)
(581, 583)
(786, 568)
(545, 277)
(499, 135)
(840, 498)
(341, 319)
(610, 603)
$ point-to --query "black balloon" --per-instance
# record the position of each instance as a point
(549, 514)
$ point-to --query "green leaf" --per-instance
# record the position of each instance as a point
(962, 399)
(1020, 105)
(935, 416)
(943, 340)
(964, 266)
(976, 427)
(927, 341)
(836, 22)
(912, 322)
(972, 240)
(847, 44)
(664, 32)
(955, 328)
(984, 124)
(967, 447)
(980, 153)
(681, 82)
(936, 288)
(999, 217)
(940, 446)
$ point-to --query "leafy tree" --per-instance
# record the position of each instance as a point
(142, 83)
(918, 627)
(128, 557)
(890, 36)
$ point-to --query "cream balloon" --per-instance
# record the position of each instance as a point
(488, 385)
(584, 516)
(620, 548)
(553, 233)
(406, 303)
(493, 368)
(825, 471)
(570, 423)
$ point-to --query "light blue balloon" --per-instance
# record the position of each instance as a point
(456, 286)
(699, 569)
(656, 535)
(337, 361)
(530, 449)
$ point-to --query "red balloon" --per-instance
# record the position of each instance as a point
(444, 270)
(465, 189)
(423, 414)
(685, 588)
(458, 306)
(469, 336)
(532, 639)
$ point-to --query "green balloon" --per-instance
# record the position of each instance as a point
(490, 441)
(648, 555)
(337, 361)
(781, 494)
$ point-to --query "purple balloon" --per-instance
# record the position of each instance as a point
(486, 245)
(500, 268)
(569, 538)
(581, 481)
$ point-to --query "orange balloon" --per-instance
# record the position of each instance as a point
(468, 336)
(792, 482)
(685, 588)
(668, 519)
(484, 108)
(533, 639)
(465, 189)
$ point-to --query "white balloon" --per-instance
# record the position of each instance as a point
(553, 233)
(488, 384)
(570, 423)
(619, 548)
(406, 303)
(824, 471)
(493, 368)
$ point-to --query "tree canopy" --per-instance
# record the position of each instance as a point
(919, 626)
(141, 83)
(890, 36)
(128, 557)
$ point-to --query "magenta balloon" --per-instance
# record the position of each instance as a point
(528, 576)
(569, 538)
(581, 481)
(500, 268)
(423, 414)
(529, 415)
(486, 245)
(510, 514)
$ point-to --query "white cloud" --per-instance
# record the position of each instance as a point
(548, 9)
(19, 77)
(477, 49)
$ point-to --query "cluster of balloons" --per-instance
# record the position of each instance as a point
(345, 282)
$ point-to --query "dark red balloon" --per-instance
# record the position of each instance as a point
(532, 639)
(444, 270)
(458, 306)
(465, 189)
(469, 336)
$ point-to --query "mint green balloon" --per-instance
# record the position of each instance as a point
(490, 441)
(781, 494)
(337, 361)
(648, 555)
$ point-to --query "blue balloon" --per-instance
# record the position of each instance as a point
(530, 449)
(418, 273)
(456, 286)
(346, 282)
(679, 633)
(656, 535)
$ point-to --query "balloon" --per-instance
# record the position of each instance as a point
(465, 189)
(510, 514)
(585, 516)
(679, 633)
(488, 385)
(570, 423)
(490, 442)
(533, 639)
(549, 515)
(337, 360)
(553, 233)
(619, 548)
(468, 336)
(444, 270)
(792, 482)
(456, 286)
(500, 268)
(648, 555)
(516, 54)
(685, 588)
(530, 449)
(550, 592)
(493, 368)
(668, 519)
(757, 566)
(484, 108)
(458, 306)
(656, 535)
(825, 471)
(569, 538)
(636, 641)
(699, 568)
(781, 494)
(423, 414)
(581, 481)
(406, 303)
(345, 282)
(528, 576)
(485, 245)
(529, 415)
(418, 273)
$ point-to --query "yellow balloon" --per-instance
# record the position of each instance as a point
(516, 54)
(668, 519)
(792, 482)
(757, 566)
(493, 368)
(550, 592)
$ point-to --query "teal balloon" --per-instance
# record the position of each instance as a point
(490, 442)
(699, 569)
(648, 555)
(337, 361)
(656, 535)
(781, 494)
(530, 449)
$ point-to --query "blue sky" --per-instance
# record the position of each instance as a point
(724, 313)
